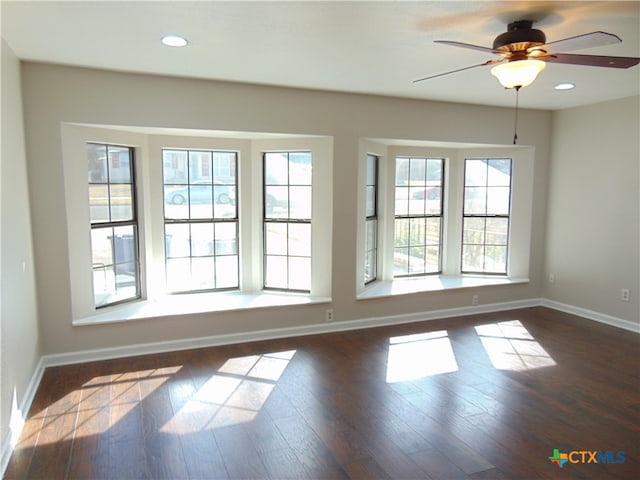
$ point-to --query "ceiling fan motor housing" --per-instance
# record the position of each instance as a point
(519, 37)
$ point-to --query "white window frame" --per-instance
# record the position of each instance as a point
(519, 245)
(148, 143)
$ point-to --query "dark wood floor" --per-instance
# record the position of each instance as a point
(478, 397)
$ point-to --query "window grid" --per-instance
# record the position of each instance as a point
(201, 220)
(114, 225)
(287, 221)
(486, 215)
(419, 186)
(371, 222)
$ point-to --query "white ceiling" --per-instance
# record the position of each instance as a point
(366, 47)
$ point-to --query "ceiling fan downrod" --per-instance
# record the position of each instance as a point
(515, 126)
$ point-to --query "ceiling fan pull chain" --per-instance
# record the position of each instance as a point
(515, 127)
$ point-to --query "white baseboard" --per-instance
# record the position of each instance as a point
(592, 315)
(275, 333)
(270, 334)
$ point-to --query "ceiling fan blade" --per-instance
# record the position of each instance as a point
(466, 45)
(587, 40)
(488, 62)
(593, 60)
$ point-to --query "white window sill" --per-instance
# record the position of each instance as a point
(433, 283)
(185, 304)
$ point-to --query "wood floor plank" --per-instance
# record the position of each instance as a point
(506, 390)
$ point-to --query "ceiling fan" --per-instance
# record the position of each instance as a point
(524, 52)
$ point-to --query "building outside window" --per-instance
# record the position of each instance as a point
(287, 220)
(114, 227)
(418, 216)
(487, 205)
(200, 220)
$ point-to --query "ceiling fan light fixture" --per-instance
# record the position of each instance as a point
(518, 73)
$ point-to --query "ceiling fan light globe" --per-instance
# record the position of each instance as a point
(519, 73)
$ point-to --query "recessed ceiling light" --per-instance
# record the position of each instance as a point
(173, 41)
(565, 86)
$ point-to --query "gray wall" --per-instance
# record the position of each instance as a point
(55, 94)
(593, 242)
(19, 338)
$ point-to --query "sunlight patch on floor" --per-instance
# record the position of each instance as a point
(234, 394)
(420, 355)
(510, 346)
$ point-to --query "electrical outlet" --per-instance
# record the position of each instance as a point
(475, 300)
(552, 278)
(625, 295)
(328, 315)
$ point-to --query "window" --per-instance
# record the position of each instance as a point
(114, 228)
(200, 220)
(287, 220)
(485, 230)
(371, 235)
(418, 216)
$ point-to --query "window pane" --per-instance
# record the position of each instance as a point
(371, 235)
(277, 202)
(176, 204)
(121, 197)
(370, 207)
(475, 172)
(402, 172)
(114, 243)
(402, 201)
(224, 197)
(99, 203)
(178, 274)
(202, 239)
(473, 230)
(433, 231)
(473, 258)
(201, 201)
(300, 168)
(275, 238)
(369, 266)
(276, 169)
(227, 272)
(499, 172)
(226, 239)
(497, 231)
(371, 169)
(177, 240)
(300, 239)
(300, 206)
(97, 155)
(498, 200)
(475, 200)
(432, 259)
(401, 261)
(496, 259)
(276, 274)
(175, 167)
(202, 273)
(119, 164)
(485, 233)
(401, 232)
(417, 231)
(200, 167)
(300, 273)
